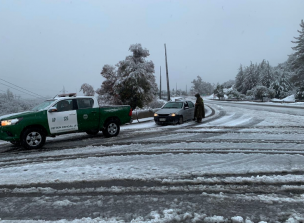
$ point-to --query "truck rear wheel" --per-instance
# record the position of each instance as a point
(33, 138)
(111, 128)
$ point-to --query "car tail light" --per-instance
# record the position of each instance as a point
(130, 113)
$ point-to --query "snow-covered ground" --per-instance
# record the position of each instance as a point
(241, 164)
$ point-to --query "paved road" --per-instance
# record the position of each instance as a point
(243, 160)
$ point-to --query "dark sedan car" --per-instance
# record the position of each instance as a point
(174, 112)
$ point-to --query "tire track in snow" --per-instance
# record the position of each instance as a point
(232, 185)
(36, 160)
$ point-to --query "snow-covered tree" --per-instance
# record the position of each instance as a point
(298, 63)
(173, 92)
(219, 91)
(265, 73)
(281, 85)
(239, 80)
(87, 89)
(229, 84)
(251, 78)
(107, 93)
(201, 87)
(132, 83)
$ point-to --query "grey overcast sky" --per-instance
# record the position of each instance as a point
(48, 44)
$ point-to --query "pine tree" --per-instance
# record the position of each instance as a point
(251, 78)
(266, 74)
(298, 63)
(239, 80)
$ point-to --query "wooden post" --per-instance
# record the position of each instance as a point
(168, 88)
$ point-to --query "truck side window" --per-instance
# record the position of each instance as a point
(64, 105)
(85, 103)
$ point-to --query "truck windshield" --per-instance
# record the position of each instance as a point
(42, 105)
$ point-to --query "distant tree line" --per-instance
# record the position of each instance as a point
(262, 80)
(9, 103)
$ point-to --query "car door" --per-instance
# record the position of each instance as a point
(87, 114)
(65, 118)
(191, 110)
(186, 111)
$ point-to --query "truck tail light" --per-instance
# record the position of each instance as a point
(130, 113)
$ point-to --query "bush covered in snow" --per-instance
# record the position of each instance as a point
(234, 94)
(219, 91)
(259, 92)
(300, 93)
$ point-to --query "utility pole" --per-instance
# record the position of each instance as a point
(168, 88)
(176, 89)
(160, 83)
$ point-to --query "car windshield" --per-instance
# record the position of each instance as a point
(42, 105)
(173, 105)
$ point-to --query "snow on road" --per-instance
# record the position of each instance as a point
(247, 161)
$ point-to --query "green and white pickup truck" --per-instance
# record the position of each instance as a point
(63, 114)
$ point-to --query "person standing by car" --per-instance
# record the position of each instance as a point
(199, 112)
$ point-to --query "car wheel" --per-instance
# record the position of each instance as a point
(33, 138)
(180, 120)
(15, 143)
(111, 128)
(92, 132)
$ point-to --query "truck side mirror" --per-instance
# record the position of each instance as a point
(52, 109)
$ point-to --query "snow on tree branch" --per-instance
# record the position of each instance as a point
(87, 90)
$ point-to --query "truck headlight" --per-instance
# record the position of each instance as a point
(155, 114)
(172, 114)
(10, 121)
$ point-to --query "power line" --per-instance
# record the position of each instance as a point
(21, 88)
(22, 91)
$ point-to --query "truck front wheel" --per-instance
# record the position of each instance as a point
(111, 128)
(33, 138)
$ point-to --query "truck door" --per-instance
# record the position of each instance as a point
(87, 115)
(65, 118)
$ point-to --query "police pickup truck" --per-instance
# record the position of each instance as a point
(63, 114)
